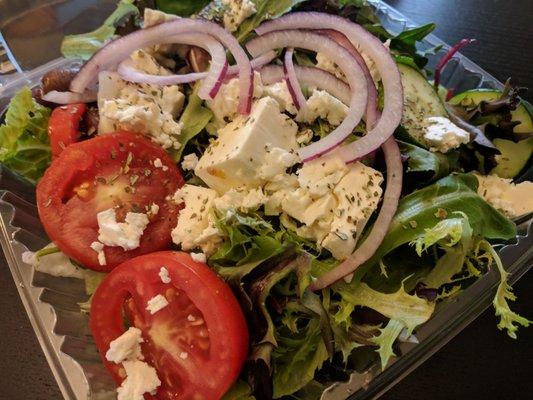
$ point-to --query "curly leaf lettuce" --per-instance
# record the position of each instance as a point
(84, 45)
(385, 340)
(508, 318)
(24, 144)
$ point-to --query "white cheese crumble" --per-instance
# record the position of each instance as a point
(99, 248)
(163, 274)
(159, 164)
(141, 378)
(513, 200)
(189, 162)
(237, 11)
(126, 347)
(55, 264)
(154, 209)
(196, 225)
(143, 108)
(156, 303)
(280, 92)
(323, 105)
(443, 135)
(125, 234)
(199, 257)
(184, 355)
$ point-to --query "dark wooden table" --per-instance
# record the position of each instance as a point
(481, 362)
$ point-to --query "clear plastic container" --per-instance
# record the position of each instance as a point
(51, 302)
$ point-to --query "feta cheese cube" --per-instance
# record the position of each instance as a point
(280, 92)
(143, 108)
(240, 199)
(323, 105)
(296, 202)
(126, 347)
(443, 135)
(196, 227)
(225, 104)
(141, 378)
(156, 303)
(125, 234)
(320, 176)
(236, 12)
(358, 194)
(235, 158)
(276, 162)
(513, 200)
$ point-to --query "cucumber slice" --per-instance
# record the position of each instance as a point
(421, 101)
(523, 113)
(513, 157)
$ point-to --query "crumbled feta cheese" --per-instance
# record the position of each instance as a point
(323, 62)
(145, 62)
(235, 158)
(237, 11)
(125, 234)
(320, 176)
(189, 163)
(514, 200)
(155, 17)
(442, 135)
(159, 164)
(191, 318)
(196, 226)
(154, 209)
(240, 199)
(280, 92)
(199, 257)
(126, 347)
(56, 264)
(99, 248)
(184, 355)
(141, 378)
(225, 104)
(163, 274)
(143, 108)
(276, 161)
(304, 136)
(156, 303)
(323, 105)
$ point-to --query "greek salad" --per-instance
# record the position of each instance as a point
(265, 196)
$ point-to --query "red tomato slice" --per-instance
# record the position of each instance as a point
(117, 171)
(198, 343)
(63, 126)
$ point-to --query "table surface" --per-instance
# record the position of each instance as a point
(481, 362)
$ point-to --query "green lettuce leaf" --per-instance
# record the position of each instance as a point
(426, 166)
(84, 45)
(508, 318)
(24, 144)
(385, 340)
(239, 391)
(420, 210)
(193, 120)
(183, 8)
(297, 358)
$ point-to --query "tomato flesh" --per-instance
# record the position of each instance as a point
(197, 343)
(116, 171)
(63, 126)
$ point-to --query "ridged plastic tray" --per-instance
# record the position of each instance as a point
(52, 303)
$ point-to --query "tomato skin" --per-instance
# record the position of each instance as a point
(138, 280)
(69, 218)
(63, 126)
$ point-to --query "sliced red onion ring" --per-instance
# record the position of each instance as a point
(371, 105)
(381, 226)
(69, 97)
(371, 46)
(448, 56)
(310, 76)
(339, 55)
(108, 57)
(129, 73)
(295, 90)
(213, 78)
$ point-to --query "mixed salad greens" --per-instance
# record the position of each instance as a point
(332, 263)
